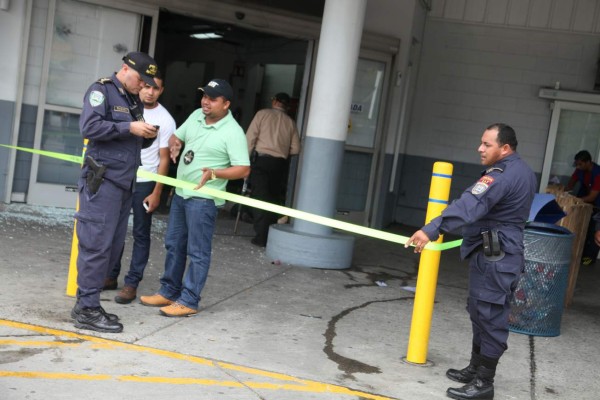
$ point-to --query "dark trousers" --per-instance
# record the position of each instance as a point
(101, 228)
(590, 248)
(491, 284)
(142, 222)
(268, 183)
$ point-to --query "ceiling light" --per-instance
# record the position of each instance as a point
(208, 35)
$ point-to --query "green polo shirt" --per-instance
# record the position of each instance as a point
(217, 146)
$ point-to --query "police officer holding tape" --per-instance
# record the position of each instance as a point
(492, 213)
(112, 120)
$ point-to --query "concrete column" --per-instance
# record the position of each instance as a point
(305, 243)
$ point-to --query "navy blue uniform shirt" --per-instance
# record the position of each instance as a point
(500, 199)
(108, 111)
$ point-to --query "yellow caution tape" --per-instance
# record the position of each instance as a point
(263, 205)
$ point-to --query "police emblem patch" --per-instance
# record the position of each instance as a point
(482, 185)
(188, 157)
(96, 98)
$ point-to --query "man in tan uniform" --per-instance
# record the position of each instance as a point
(273, 135)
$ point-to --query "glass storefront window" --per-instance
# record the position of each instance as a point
(61, 135)
(577, 130)
(88, 43)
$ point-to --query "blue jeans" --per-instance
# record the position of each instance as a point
(189, 234)
(142, 222)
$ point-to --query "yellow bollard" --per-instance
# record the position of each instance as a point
(429, 264)
(72, 277)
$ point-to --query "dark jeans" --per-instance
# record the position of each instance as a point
(142, 222)
(268, 182)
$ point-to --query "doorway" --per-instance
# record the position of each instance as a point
(365, 127)
(191, 51)
(573, 127)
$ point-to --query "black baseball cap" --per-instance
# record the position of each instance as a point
(218, 87)
(144, 64)
(283, 98)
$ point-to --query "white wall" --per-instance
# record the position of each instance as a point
(12, 24)
(475, 75)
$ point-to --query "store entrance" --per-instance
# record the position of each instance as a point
(192, 51)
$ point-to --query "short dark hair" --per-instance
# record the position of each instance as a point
(506, 135)
(583, 155)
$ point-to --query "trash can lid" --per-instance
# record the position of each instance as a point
(543, 228)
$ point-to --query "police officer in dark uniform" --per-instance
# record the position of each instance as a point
(113, 123)
(492, 213)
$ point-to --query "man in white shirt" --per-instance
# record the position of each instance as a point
(146, 196)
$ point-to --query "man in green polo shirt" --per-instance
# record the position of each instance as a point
(215, 151)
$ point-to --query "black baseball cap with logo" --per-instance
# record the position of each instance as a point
(143, 64)
(218, 87)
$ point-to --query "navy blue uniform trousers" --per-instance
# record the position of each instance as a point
(491, 284)
(101, 228)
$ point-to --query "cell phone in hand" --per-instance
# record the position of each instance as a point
(146, 206)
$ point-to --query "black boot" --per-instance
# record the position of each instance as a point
(77, 309)
(480, 388)
(466, 374)
(96, 320)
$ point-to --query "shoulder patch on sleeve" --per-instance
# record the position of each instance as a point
(96, 98)
(482, 185)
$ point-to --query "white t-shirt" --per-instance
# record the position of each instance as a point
(150, 156)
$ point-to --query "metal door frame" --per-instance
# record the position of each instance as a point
(365, 217)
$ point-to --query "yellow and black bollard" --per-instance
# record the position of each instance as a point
(429, 264)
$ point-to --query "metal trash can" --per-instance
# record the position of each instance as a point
(538, 301)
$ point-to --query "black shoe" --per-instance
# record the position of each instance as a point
(77, 310)
(464, 375)
(95, 320)
(257, 242)
(478, 389)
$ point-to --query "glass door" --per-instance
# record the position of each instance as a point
(356, 188)
(573, 127)
(84, 42)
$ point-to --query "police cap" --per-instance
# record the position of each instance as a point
(144, 64)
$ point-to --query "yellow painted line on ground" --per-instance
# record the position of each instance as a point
(298, 385)
(34, 343)
(55, 375)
